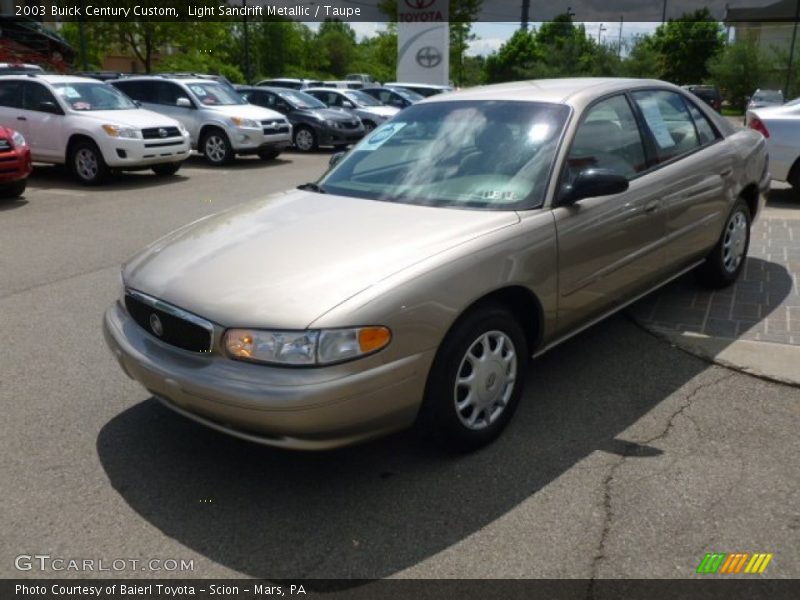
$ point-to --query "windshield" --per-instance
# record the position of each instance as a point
(301, 99)
(768, 97)
(361, 98)
(216, 94)
(408, 94)
(93, 96)
(493, 155)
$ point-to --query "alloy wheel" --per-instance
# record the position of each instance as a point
(86, 164)
(216, 148)
(304, 140)
(735, 241)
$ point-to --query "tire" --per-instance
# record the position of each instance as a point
(726, 260)
(216, 147)
(166, 169)
(793, 178)
(447, 416)
(13, 190)
(305, 139)
(270, 154)
(87, 163)
(368, 127)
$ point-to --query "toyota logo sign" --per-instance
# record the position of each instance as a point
(156, 325)
(162, 132)
(419, 4)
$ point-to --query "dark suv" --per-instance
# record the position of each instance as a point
(314, 124)
(708, 94)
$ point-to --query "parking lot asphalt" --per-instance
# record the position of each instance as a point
(627, 457)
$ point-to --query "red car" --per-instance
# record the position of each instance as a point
(15, 163)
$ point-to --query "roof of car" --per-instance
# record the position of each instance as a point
(51, 78)
(573, 91)
(169, 78)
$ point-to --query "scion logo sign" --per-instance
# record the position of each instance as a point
(156, 325)
(734, 562)
(428, 57)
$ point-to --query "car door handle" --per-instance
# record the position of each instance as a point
(727, 172)
(652, 207)
(22, 118)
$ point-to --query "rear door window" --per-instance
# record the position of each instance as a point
(11, 94)
(669, 123)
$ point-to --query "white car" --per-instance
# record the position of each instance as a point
(221, 122)
(90, 126)
(781, 126)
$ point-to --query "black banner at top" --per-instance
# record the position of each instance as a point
(729, 11)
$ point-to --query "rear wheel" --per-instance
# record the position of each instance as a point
(166, 169)
(305, 139)
(726, 260)
(216, 147)
(476, 380)
(87, 163)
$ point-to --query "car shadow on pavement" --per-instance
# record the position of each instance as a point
(58, 177)
(12, 203)
(197, 161)
(372, 510)
(785, 198)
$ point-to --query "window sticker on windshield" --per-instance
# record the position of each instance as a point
(69, 92)
(199, 91)
(382, 135)
(654, 118)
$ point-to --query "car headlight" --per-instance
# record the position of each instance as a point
(122, 132)
(312, 347)
(18, 139)
(242, 122)
(331, 123)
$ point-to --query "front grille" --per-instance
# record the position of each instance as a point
(152, 133)
(4, 145)
(176, 331)
(273, 126)
(162, 144)
(11, 158)
(274, 131)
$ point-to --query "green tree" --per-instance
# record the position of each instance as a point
(686, 45)
(336, 43)
(739, 70)
(643, 59)
(515, 59)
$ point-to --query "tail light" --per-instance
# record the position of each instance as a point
(758, 125)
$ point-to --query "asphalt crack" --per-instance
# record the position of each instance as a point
(608, 509)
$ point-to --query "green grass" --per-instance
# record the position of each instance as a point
(732, 112)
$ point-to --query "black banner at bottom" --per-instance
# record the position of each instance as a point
(711, 588)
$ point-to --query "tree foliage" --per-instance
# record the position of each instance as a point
(739, 70)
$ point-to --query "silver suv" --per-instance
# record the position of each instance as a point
(221, 122)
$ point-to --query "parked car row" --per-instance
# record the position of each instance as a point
(97, 124)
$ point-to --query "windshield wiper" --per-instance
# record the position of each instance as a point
(311, 187)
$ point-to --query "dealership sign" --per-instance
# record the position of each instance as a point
(423, 41)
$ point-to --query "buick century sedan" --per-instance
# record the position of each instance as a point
(413, 282)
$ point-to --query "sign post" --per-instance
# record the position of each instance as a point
(423, 41)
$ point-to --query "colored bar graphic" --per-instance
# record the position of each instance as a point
(758, 563)
(733, 563)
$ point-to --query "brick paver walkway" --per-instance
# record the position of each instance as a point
(763, 305)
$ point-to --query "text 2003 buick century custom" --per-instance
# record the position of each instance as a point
(413, 282)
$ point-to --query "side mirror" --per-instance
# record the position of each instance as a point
(183, 103)
(335, 158)
(592, 183)
(137, 103)
(48, 106)
(348, 104)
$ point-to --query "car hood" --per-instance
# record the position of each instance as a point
(384, 111)
(325, 113)
(138, 118)
(284, 261)
(245, 111)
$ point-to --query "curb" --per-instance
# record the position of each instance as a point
(775, 362)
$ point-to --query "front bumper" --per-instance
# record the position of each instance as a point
(247, 140)
(121, 153)
(763, 193)
(303, 409)
(332, 136)
(15, 165)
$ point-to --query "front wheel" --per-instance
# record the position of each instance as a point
(476, 380)
(14, 190)
(305, 139)
(726, 260)
(216, 147)
(166, 169)
(87, 163)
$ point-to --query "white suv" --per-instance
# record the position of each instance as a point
(90, 126)
(221, 122)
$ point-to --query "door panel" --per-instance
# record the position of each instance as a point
(44, 130)
(610, 247)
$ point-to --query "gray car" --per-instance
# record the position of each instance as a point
(413, 282)
(220, 121)
(372, 112)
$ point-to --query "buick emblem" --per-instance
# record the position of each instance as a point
(156, 325)
(162, 132)
(428, 57)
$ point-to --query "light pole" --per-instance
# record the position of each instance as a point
(791, 49)
(246, 44)
(619, 41)
(664, 12)
(600, 31)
